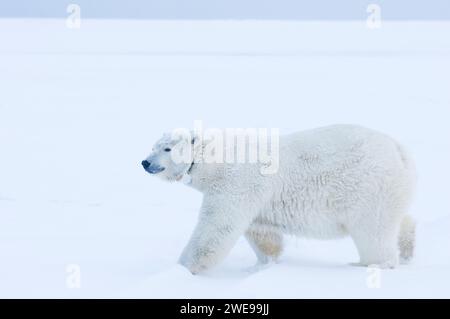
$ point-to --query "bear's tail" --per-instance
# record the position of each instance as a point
(407, 238)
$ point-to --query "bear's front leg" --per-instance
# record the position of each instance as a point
(266, 241)
(221, 222)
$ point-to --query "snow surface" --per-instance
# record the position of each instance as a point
(79, 110)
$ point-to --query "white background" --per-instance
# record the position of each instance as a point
(80, 108)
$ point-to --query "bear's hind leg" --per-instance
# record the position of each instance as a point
(406, 240)
(377, 242)
(266, 242)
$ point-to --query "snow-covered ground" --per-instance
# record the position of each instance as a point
(79, 110)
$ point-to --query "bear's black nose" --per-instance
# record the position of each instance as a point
(145, 164)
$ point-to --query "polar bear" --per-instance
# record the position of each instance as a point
(332, 182)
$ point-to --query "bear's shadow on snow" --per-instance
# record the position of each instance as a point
(312, 263)
(286, 263)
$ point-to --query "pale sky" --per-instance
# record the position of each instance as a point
(230, 9)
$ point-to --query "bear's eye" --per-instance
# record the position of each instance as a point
(167, 149)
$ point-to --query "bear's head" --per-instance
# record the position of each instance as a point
(172, 156)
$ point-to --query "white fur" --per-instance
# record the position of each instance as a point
(332, 182)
